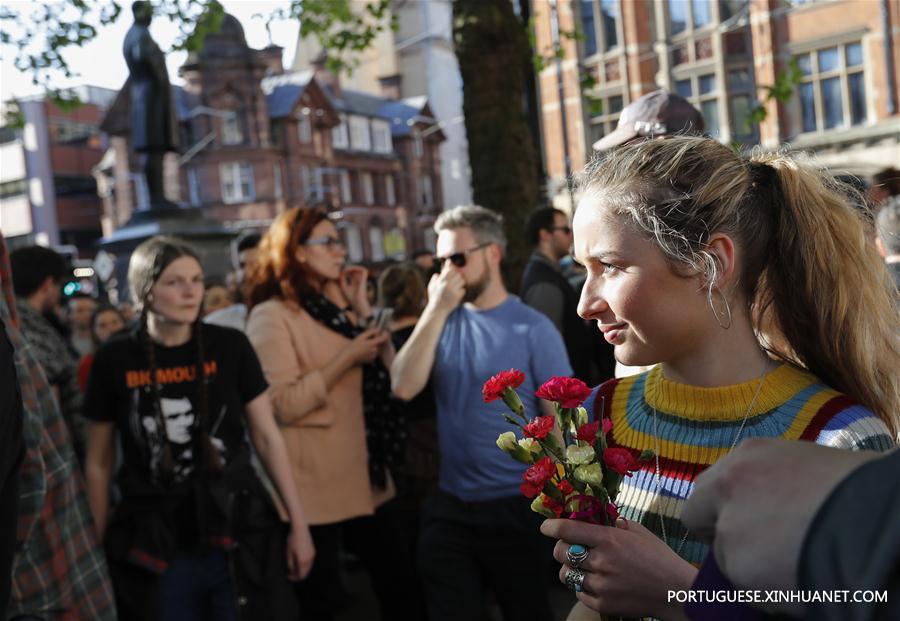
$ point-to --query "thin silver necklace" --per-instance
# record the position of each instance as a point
(737, 436)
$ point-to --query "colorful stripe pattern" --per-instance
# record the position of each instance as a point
(691, 428)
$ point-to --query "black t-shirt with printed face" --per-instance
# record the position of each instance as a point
(119, 390)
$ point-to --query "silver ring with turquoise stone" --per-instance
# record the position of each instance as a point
(576, 555)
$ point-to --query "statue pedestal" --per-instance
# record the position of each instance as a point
(210, 238)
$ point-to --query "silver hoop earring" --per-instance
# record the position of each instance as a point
(728, 319)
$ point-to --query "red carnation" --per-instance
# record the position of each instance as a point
(565, 487)
(539, 427)
(539, 473)
(551, 504)
(620, 460)
(612, 511)
(569, 392)
(530, 491)
(588, 432)
(494, 387)
(607, 426)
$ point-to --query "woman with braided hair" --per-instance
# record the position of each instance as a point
(194, 535)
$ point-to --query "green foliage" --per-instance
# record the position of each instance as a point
(42, 33)
(786, 82)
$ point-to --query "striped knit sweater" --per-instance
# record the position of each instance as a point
(698, 426)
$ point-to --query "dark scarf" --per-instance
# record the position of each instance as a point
(385, 426)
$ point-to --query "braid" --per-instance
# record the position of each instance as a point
(166, 461)
(203, 443)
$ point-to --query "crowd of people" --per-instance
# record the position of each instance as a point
(219, 449)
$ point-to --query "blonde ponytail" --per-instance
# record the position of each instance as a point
(827, 290)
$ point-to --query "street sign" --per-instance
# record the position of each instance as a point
(104, 265)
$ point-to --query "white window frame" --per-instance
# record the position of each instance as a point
(698, 100)
(607, 119)
(600, 31)
(237, 182)
(360, 138)
(376, 242)
(304, 127)
(816, 77)
(689, 29)
(381, 136)
(231, 128)
(390, 192)
(354, 242)
(426, 194)
(276, 180)
(193, 186)
(367, 185)
(340, 137)
(346, 187)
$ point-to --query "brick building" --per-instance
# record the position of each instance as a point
(47, 192)
(257, 141)
(720, 54)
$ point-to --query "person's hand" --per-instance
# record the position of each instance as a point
(353, 282)
(300, 553)
(757, 503)
(446, 290)
(628, 570)
(367, 345)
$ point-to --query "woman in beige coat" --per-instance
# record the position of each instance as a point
(307, 323)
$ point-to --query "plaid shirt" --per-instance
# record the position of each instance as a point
(59, 572)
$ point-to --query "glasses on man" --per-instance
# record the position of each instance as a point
(459, 258)
(328, 241)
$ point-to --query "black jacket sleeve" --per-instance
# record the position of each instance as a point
(854, 544)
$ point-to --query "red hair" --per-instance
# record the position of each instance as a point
(276, 271)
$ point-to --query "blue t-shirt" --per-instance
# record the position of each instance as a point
(474, 345)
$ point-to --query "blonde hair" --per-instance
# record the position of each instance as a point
(807, 271)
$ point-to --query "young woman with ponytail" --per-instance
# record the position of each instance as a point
(751, 286)
(193, 535)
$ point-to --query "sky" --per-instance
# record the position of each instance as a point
(100, 63)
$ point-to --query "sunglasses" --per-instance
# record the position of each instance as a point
(459, 258)
(328, 241)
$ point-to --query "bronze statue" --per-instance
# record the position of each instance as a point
(154, 126)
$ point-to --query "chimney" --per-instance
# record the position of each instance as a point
(324, 77)
(271, 57)
(390, 86)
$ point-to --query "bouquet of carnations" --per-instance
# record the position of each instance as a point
(572, 472)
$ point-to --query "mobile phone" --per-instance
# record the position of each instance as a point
(383, 318)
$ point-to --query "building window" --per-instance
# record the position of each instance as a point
(390, 195)
(311, 179)
(678, 16)
(368, 188)
(276, 180)
(346, 190)
(425, 195)
(740, 104)
(605, 122)
(339, 137)
(193, 186)
(359, 133)
(599, 25)
(376, 241)
(354, 242)
(237, 182)
(231, 128)
(304, 127)
(703, 92)
(381, 136)
(832, 93)
(701, 12)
